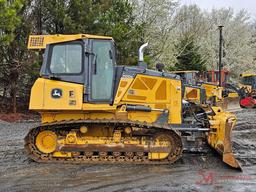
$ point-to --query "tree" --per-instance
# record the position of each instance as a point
(109, 17)
(9, 19)
(203, 27)
(254, 43)
(158, 29)
(189, 57)
(182, 37)
(117, 20)
(237, 34)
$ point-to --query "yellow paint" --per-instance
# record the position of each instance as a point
(117, 136)
(152, 91)
(247, 74)
(61, 154)
(154, 156)
(40, 41)
(83, 129)
(122, 88)
(143, 116)
(218, 123)
(160, 93)
(46, 141)
(41, 95)
(220, 136)
(192, 94)
(139, 91)
(98, 107)
(213, 90)
(37, 95)
(248, 86)
(233, 95)
(145, 90)
(71, 138)
(106, 136)
(47, 117)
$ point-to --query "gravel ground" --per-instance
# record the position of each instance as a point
(191, 173)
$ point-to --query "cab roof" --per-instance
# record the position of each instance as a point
(189, 71)
(247, 74)
(40, 41)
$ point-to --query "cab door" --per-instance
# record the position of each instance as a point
(102, 65)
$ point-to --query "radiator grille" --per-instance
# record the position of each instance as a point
(36, 41)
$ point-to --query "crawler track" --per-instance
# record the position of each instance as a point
(109, 158)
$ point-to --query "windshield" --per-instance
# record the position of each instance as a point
(250, 80)
(66, 58)
(190, 78)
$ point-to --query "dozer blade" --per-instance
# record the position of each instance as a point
(230, 103)
(228, 156)
(220, 136)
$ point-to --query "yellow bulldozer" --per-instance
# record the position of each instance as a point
(196, 89)
(94, 111)
(199, 88)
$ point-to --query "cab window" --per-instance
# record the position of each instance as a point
(103, 70)
(66, 59)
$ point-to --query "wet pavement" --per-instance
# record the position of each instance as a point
(193, 172)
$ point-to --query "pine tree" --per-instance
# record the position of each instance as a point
(9, 19)
(189, 57)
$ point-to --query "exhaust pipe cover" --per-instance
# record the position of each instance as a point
(141, 62)
(141, 52)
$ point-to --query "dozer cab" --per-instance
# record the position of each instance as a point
(94, 111)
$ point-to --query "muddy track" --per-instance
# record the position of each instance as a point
(19, 173)
(38, 156)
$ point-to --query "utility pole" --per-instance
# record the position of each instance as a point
(220, 54)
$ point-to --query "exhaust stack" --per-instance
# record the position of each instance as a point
(220, 55)
(141, 62)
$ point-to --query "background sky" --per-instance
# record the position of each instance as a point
(250, 5)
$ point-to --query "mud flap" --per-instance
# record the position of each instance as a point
(222, 124)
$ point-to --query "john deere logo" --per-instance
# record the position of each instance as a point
(56, 93)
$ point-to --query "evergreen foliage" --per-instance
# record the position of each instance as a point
(189, 57)
(9, 19)
(182, 37)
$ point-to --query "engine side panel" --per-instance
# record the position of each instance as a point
(156, 92)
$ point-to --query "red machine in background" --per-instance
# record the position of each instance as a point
(246, 88)
(248, 85)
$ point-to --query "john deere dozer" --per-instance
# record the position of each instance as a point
(94, 111)
(197, 89)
